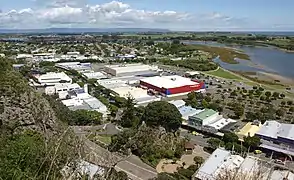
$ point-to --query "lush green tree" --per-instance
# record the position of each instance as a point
(84, 117)
(276, 94)
(282, 95)
(186, 173)
(283, 103)
(290, 103)
(204, 103)
(198, 160)
(280, 112)
(162, 113)
(251, 142)
(262, 98)
(213, 106)
(207, 99)
(165, 176)
(230, 137)
(268, 94)
(291, 109)
(30, 156)
(214, 143)
(129, 117)
(238, 110)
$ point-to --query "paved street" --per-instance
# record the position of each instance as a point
(197, 140)
(132, 165)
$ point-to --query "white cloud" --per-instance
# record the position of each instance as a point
(76, 13)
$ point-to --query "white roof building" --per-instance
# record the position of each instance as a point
(78, 66)
(24, 56)
(94, 75)
(117, 70)
(281, 175)
(223, 163)
(82, 100)
(81, 168)
(169, 81)
(220, 161)
(61, 89)
(2, 55)
(53, 78)
(276, 130)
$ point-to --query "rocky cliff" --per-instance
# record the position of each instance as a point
(21, 107)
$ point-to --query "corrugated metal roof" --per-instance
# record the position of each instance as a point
(205, 114)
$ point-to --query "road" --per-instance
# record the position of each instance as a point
(132, 165)
(197, 140)
(100, 49)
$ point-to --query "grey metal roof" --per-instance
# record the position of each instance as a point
(207, 170)
(269, 129)
(274, 129)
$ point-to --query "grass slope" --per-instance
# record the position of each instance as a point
(223, 74)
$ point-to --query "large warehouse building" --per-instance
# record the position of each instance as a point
(172, 85)
(130, 69)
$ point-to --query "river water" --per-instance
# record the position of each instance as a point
(266, 59)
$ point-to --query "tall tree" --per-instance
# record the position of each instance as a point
(162, 113)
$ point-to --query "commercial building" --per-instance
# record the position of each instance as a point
(223, 163)
(220, 161)
(281, 175)
(52, 78)
(209, 118)
(277, 137)
(186, 111)
(249, 129)
(204, 118)
(172, 85)
(129, 69)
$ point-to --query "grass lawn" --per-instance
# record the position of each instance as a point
(226, 55)
(223, 74)
(104, 139)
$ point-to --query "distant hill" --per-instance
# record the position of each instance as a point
(81, 30)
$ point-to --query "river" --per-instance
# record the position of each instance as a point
(265, 59)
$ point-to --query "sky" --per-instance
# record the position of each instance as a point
(189, 15)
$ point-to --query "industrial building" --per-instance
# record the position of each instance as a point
(94, 75)
(61, 89)
(51, 79)
(80, 99)
(221, 162)
(172, 85)
(78, 66)
(126, 86)
(129, 69)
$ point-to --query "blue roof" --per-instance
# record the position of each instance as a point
(187, 110)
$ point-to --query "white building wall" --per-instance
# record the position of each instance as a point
(211, 119)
